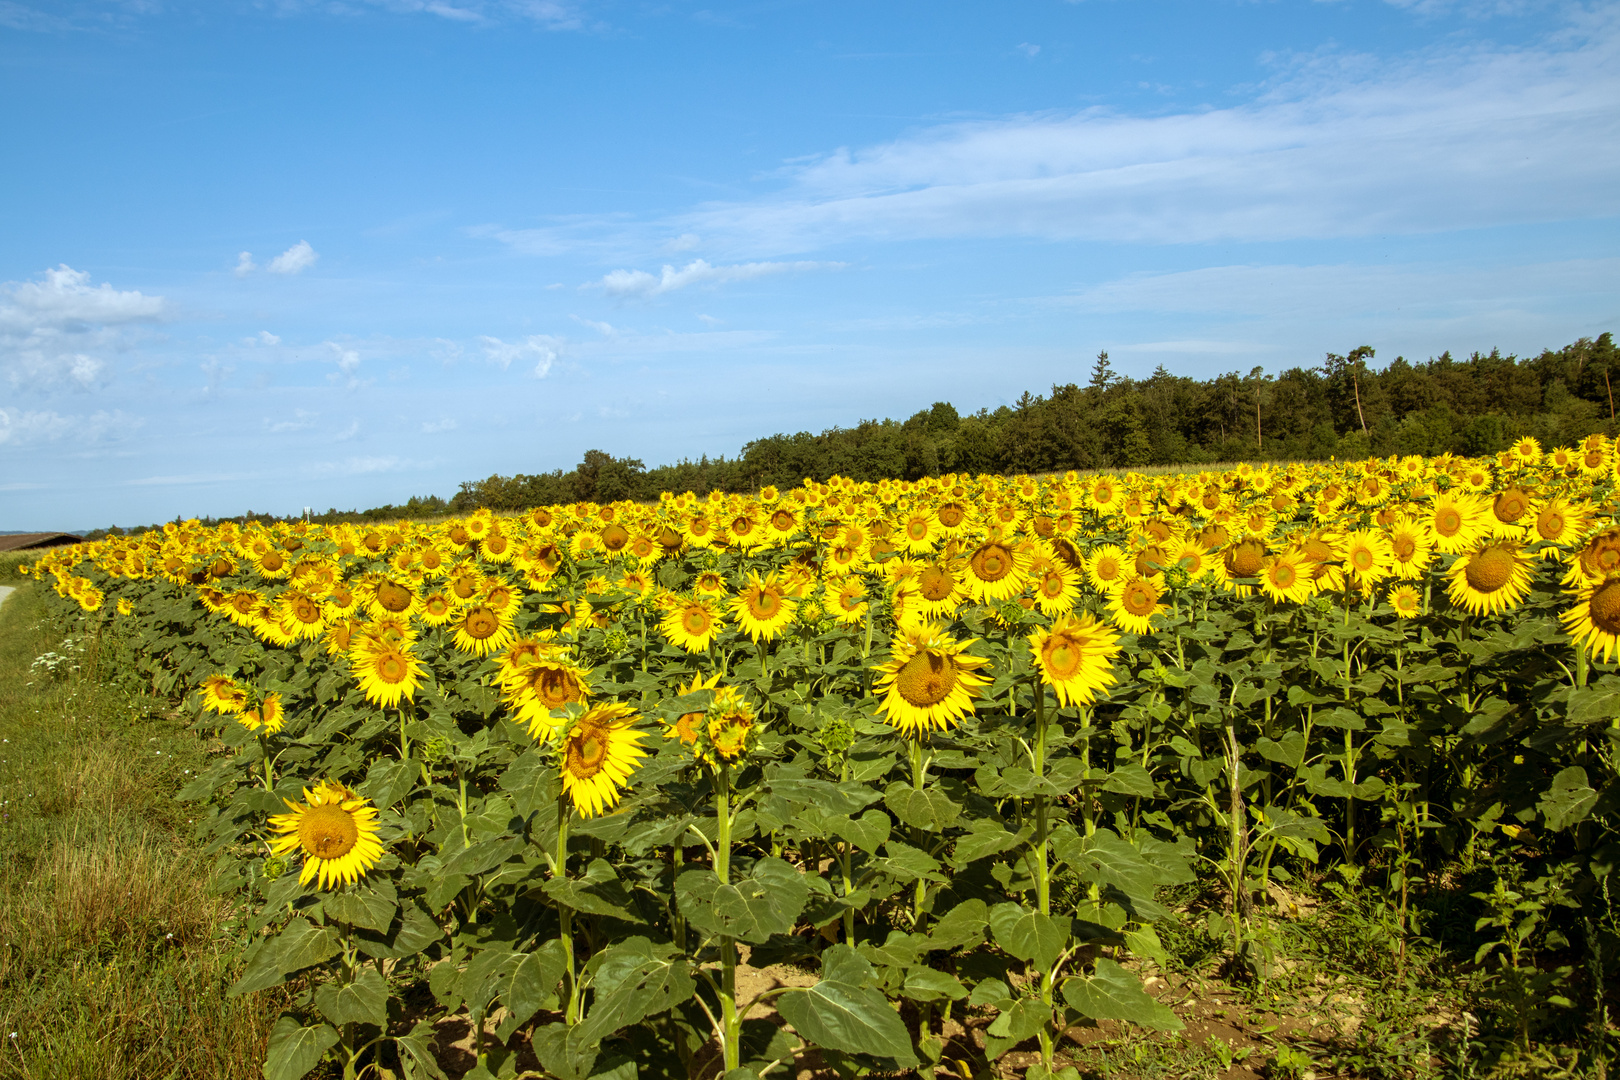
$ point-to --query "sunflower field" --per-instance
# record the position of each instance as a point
(938, 745)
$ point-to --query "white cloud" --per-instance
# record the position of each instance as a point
(1029, 50)
(302, 420)
(710, 320)
(357, 466)
(683, 242)
(1458, 136)
(435, 427)
(607, 330)
(640, 284)
(542, 348)
(20, 428)
(267, 338)
(49, 326)
(295, 260)
(245, 264)
(348, 360)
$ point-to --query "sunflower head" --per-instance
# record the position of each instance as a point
(598, 755)
(930, 680)
(333, 830)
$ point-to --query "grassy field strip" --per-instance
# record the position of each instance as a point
(114, 953)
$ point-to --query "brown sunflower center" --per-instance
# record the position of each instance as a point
(1063, 656)
(992, 562)
(465, 586)
(764, 604)
(695, 621)
(391, 667)
(936, 583)
(1405, 548)
(557, 688)
(1550, 524)
(782, 521)
(1363, 559)
(1448, 521)
(1605, 607)
(926, 679)
(1245, 558)
(1490, 569)
(306, 610)
(1052, 585)
(917, 528)
(1140, 599)
(481, 623)
(437, 606)
(392, 597)
(328, 832)
(1283, 575)
(1511, 505)
(615, 536)
(273, 562)
(951, 515)
(587, 753)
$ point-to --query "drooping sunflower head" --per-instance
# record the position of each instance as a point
(335, 833)
(930, 680)
(221, 694)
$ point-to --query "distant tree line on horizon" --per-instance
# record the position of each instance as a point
(1345, 407)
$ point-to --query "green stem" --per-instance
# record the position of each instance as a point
(730, 1021)
(919, 773)
(565, 914)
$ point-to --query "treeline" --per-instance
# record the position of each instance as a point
(1346, 408)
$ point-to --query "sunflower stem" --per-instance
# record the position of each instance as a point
(919, 773)
(731, 1022)
(565, 914)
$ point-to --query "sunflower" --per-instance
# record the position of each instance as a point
(1075, 658)
(1284, 578)
(1559, 523)
(996, 569)
(125, 607)
(1406, 601)
(918, 532)
(691, 624)
(1105, 567)
(1367, 557)
(940, 589)
(386, 673)
(598, 755)
(536, 688)
(437, 609)
(269, 715)
(1057, 587)
(731, 729)
(1490, 580)
(1244, 558)
(302, 614)
(221, 694)
(686, 727)
(1133, 607)
(1455, 523)
(1510, 512)
(481, 631)
(336, 831)
(1594, 621)
(850, 605)
(930, 680)
(763, 609)
(1409, 549)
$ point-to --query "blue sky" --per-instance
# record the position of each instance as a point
(283, 254)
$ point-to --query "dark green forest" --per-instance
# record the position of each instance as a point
(1346, 407)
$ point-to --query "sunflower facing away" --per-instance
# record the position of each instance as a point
(930, 680)
(1490, 580)
(1075, 658)
(336, 831)
(599, 753)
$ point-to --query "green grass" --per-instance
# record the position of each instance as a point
(114, 954)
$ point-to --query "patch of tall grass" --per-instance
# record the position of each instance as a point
(114, 953)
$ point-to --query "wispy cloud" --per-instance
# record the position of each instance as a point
(295, 260)
(541, 348)
(638, 284)
(20, 428)
(1457, 136)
